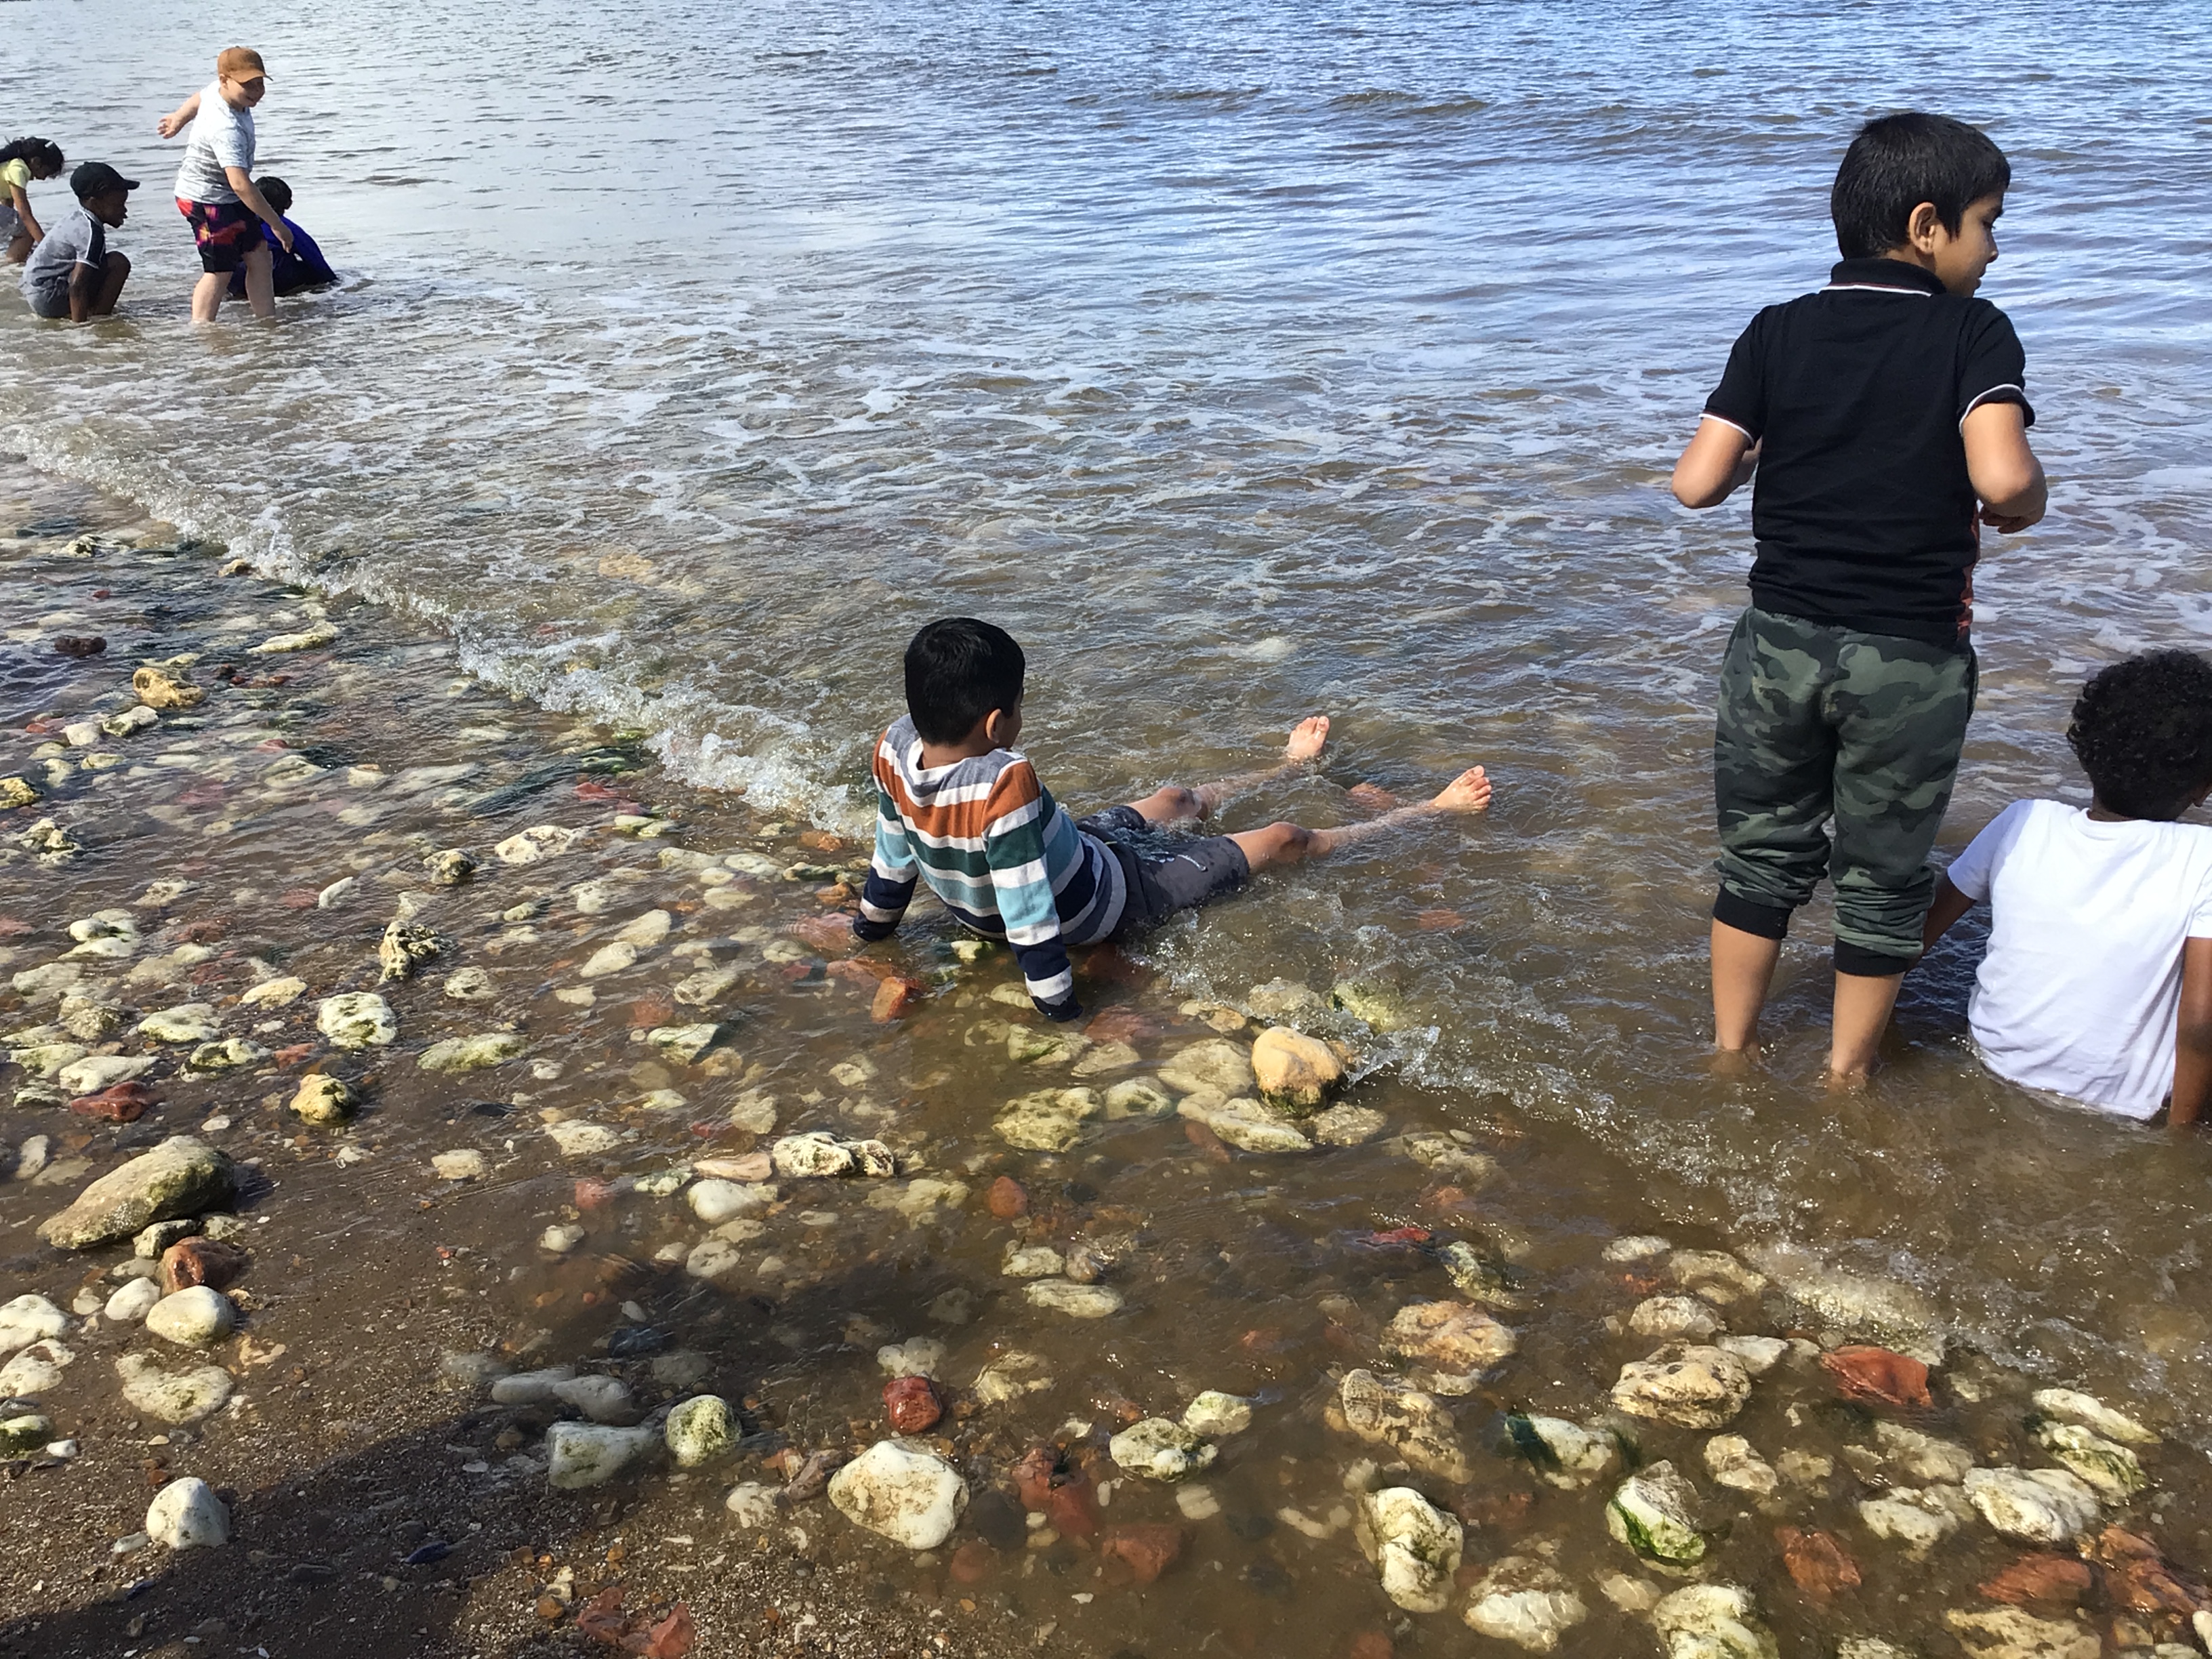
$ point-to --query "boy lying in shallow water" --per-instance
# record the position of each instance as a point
(960, 807)
(2098, 983)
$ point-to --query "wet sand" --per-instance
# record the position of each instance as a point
(656, 1001)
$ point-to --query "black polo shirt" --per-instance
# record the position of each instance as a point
(1863, 510)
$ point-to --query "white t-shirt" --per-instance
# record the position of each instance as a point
(221, 137)
(2082, 981)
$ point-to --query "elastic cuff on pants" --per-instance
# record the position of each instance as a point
(1858, 961)
(1746, 916)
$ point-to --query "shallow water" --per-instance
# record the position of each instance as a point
(1244, 365)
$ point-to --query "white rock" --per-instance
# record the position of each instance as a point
(1245, 1123)
(918, 1356)
(1525, 1602)
(464, 1164)
(273, 994)
(592, 1453)
(29, 1319)
(130, 1305)
(178, 1397)
(1918, 1519)
(644, 931)
(612, 958)
(193, 1317)
(2034, 1506)
(713, 1258)
(1032, 1262)
(751, 1504)
(1214, 1414)
(716, 1201)
(468, 985)
(535, 845)
(1712, 1621)
(1160, 1450)
(35, 1371)
(820, 1154)
(531, 1387)
(1760, 1354)
(1567, 1454)
(1076, 1301)
(1197, 1502)
(2016, 1633)
(187, 1515)
(902, 1492)
(1690, 1385)
(1009, 1377)
(1388, 1412)
(2092, 1413)
(471, 1054)
(577, 1139)
(188, 1022)
(1048, 1120)
(1219, 1066)
(602, 1399)
(1732, 1463)
(1921, 1458)
(356, 1020)
(94, 1073)
(1674, 1317)
(700, 1429)
(1414, 1545)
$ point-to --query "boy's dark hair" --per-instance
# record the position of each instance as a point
(1899, 161)
(277, 193)
(957, 671)
(2142, 731)
(43, 152)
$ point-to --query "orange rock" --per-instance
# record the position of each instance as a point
(824, 933)
(1121, 1026)
(1820, 1566)
(124, 1103)
(1008, 1199)
(1208, 1143)
(1033, 1477)
(1876, 1376)
(895, 998)
(1439, 921)
(820, 841)
(2059, 1580)
(657, 1008)
(2139, 1577)
(972, 1562)
(207, 1261)
(1371, 1645)
(1147, 1549)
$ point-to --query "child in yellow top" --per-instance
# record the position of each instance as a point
(19, 163)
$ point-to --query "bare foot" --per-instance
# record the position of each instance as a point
(1468, 793)
(1372, 796)
(1306, 738)
(1734, 1062)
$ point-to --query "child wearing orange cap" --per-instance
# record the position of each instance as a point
(216, 190)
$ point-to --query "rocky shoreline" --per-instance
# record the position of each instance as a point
(467, 1194)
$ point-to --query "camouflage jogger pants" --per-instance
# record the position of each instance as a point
(1819, 721)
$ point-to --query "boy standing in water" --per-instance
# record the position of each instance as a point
(2098, 981)
(1883, 416)
(216, 190)
(960, 807)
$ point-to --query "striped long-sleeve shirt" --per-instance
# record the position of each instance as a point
(1006, 859)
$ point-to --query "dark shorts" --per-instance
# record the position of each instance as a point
(1165, 874)
(49, 300)
(226, 231)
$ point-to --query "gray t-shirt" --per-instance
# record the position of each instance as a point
(221, 137)
(76, 239)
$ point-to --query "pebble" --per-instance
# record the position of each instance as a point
(187, 1515)
(901, 1492)
(1218, 1066)
(322, 1100)
(468, 985)
(715, 1201)
(1160, 1450)
(580, 1455)
(1197, 1502)
(2033, 1506)
(464, 1164)
(2111, 1470)
(919, 1356)
(1032, 1262)
(194, 1317)
(35, 1371)
(1526, 1602)
(535, 845)
(752, 1505)
(30, 1318)
(1414, 1545)
(472, 1054)
(700, 1429)
(356, 1020)
(531, 1387)
(2015, 1633)
(130, 1305)
(577, 1139)
(602, 1399)
(1076, 1301)
(1690, 1385)
(176, 1397)
(1918, 1519)
(1656, 1513)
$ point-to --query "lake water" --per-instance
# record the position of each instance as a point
(1245, 363)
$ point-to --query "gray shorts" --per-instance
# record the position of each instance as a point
(49, 300)
(1164, 874)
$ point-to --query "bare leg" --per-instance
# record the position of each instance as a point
(1292, 844)
(111, 280)
(261, 281)
(1743, 969)
(1863, 1002)
(1175, 804)
(207, 294)
(19, 246)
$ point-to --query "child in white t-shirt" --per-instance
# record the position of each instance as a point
(2098, 983)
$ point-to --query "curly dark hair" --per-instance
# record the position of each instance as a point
(2142, 731)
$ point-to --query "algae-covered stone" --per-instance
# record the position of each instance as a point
(1567, 1454)
(1076, 1301)
(1048, 1120)
(2035, 1506)
(685, 1042)
(2112, 1471)
(1027, 1046)
(181, 1177)
(1245, 1124)
(1414, 1545)
(1713, 1621)
(819, 1154)
(472, 1054)
(900, 1491)
(178, 1397)
(228, 1055)
(405, 944)
(1295, 1072)
(1454, 1343)
(1410, 1422)
(580, 1455)
(700, 1429)
(1918, 1518)
(1526, 1601)
(188, 1022)
(535, 845)
(356, 1020)
(449, 867)
(323, 1100)
(1137, 1098)
(1376, 1006)
(1160, 1450)
(24, 1433)
(1689, 1385)
(1656, 1513)
(1214, 1413)
(2016, 1633)
(2071, 1406)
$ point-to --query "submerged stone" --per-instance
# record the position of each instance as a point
(1217, 1064)
(899, 1491)
(580, 1455)
(2113, 1471)
(1656, 1513)
(1076, 1301)
(700, 1429)
(1567, 1454)
(356, 1020)
(188, 1022)
(1294, 1072)
(1048, 1120)
(1454, 1343)
(181, 1177)
(1732, 1463)
(1414, 1545)
(1526, 1602)
(1690, 1385)
(1214, 1414)
(1917, 1519)
(1160, 1450)
(819, 1154)
(1713, 1621)
(2035, 1506)
(472, 1054)
(1413, 1424)
(2070, 1406)
(2013, 1634)
(535, 845)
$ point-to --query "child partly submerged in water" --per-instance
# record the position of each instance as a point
(961, 808)
(294, 269)
(2098, 982)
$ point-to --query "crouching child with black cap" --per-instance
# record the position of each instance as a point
(1886, 422)
(70, 273)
